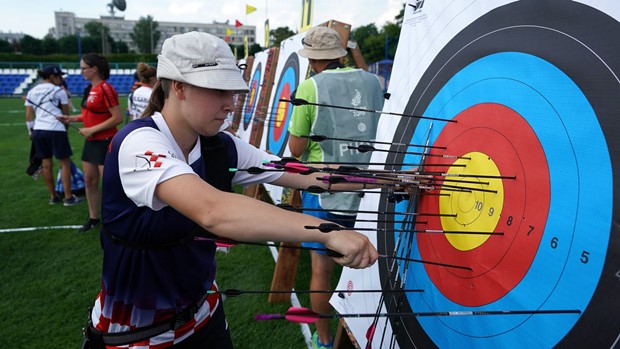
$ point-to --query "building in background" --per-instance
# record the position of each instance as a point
(120, 28)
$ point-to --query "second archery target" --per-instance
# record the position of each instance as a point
(280, 112)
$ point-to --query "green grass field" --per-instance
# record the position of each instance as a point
(49, 277)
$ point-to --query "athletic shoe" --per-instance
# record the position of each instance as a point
(55, 200)
(90, 223)
(318, 345)
(73, 200)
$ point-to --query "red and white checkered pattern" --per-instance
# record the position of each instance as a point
(164, 340)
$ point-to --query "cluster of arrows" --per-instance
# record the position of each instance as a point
(397, 186)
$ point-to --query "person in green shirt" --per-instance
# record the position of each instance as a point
(332, 84)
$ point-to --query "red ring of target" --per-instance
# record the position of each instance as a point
(502, 261)
(282, 112)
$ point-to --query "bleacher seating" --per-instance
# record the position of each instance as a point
(9, 82)
(121, 79)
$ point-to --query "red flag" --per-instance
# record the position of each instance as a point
(238, 24)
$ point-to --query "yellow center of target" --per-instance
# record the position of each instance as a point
(281, 114)
(476, 200)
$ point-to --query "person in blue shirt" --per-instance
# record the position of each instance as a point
(332, 84)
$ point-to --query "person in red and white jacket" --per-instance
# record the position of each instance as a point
(101, 113)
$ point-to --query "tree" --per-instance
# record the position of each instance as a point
(49, 45)
(373, 42)
(360, 34)
(30, 45)
(276, 36)
(255, 48)
(393, 34)
(119, 47)
(5, 46)
(100, 32)
(145, 34)
(369, 41)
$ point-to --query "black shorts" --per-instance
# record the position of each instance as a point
(95, 151)
(51, 143)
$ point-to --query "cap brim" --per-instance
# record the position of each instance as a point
(223, 79)
(322, 54)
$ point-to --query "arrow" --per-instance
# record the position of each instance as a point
(299, 101)
(321, 138)
(254, 170)
(329, 227)
(363, 148)
(229, 243)
(307, 316)
(392, 196)
(289, 159)
(352, 212)
(231, 292)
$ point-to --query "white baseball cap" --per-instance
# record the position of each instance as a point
(202, 60)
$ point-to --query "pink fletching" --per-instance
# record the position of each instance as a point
(370, 333)
(301, 315)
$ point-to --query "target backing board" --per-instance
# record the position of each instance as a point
(290, 71)
(527, 149)
(248, 110)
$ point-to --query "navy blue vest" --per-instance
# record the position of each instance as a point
(155, 264)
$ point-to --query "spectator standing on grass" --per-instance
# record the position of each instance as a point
(44, 103)
(333, 84)
(139, 98)
(101, 114)
(165, 192)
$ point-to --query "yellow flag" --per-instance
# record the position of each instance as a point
(306, 15)
(266, 33)
(229, 32)
(249, 9)
(246, 47)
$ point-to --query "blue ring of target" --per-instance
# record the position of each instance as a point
(290, 78)
(547, 109)
(248, 114)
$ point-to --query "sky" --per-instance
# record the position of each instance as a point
(35, 18)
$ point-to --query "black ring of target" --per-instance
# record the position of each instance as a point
(587, 72)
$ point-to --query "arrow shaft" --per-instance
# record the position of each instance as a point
(314, 138)
(365, 110)
(354, 212)
(452, 313)
(235, 292)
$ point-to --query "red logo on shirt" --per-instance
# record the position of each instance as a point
(150, 160)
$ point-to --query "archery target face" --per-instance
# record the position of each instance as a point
(249, 110)
(252, 98)
(534, 93)
(280, 112)
(290, 71)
